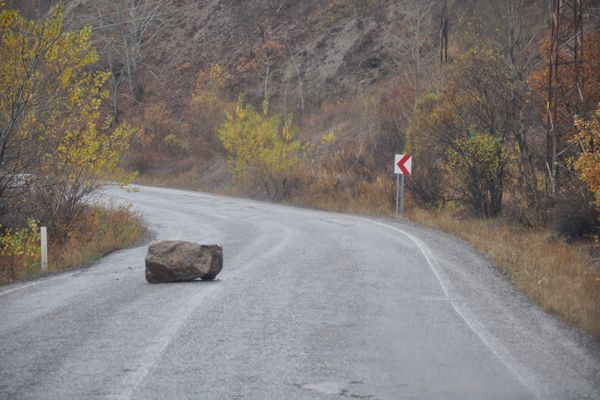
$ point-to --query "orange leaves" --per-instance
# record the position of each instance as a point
(210, 84)
(271, 45)
(578, 90)
(588, 162)
(262, 54)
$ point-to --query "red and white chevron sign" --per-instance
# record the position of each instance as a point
(403, 164)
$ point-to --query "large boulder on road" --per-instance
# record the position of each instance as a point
(174, 261)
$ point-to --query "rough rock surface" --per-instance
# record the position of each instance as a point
(173, 261)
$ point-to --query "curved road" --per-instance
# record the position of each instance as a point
(310, 305)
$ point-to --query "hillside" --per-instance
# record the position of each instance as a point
(306, 53)
(334, 48)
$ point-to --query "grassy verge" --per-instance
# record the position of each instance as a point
(557, 276)
(98, 232)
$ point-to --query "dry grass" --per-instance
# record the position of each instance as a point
(190, 179)
(557, 276)
(367, 198)
(98, 232)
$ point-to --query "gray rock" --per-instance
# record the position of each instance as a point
(173, 261)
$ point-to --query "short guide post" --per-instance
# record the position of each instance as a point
(44, 245)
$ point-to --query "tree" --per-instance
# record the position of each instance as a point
(476, 168)
(28, 96)
(575, 91)
(412, 50)
(261, 145)
(588, 161)
(515, 29)
(53, 136)
(476, 98)
(129, 29)
(206, 108)
(444, 29)
(300, 73)
(428, 183)
(267, 53)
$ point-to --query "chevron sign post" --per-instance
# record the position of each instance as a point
(402, 166)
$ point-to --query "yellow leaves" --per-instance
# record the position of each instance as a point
(588, 162)
(89, 154)
(265, 144)
(178, 143)
(210, 83)
(21, 243)
(7, 17)
(475, 168)
(66, 76)
(328, 138)
(481, 154)
(55, 70)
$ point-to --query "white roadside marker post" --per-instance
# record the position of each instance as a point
(44, 250)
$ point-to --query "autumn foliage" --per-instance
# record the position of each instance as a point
(588, 162)
(56, 142)
(262, 146)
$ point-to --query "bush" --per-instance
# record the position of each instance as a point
(261, 147)
(476, 168)
(19, 249)
(575, 218)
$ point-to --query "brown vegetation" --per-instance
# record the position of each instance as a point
(98, 231)
(558, 276)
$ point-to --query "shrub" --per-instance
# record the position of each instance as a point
(261, 147)
(588, 162)
(575, 218)
(476, 169)
(19, 248)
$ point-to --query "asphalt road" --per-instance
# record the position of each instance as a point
(310, 305)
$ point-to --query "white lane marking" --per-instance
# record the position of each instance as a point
(36, 283)
(154, 353)
(501, 353)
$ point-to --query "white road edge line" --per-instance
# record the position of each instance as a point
(520, 372)
(36, 283)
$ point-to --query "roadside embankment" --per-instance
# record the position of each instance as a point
(560, 277)
(97, 232)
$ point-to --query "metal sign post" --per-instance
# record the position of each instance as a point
(402, 195)
(397, 191)
(402, 166)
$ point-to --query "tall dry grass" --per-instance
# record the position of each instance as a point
(559, 277)
(98, 232)
(369, 198)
